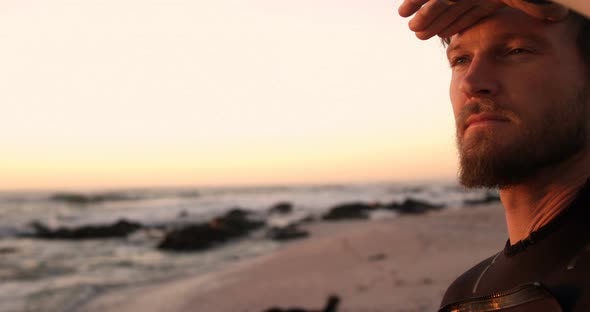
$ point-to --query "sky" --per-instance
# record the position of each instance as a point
(130, 93)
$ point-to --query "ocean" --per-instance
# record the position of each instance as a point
(60, 275)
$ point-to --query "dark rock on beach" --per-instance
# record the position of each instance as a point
(489, 198)
(289, 232)
(350, 211)
(413, 206)
(362, 210)
(236, 215)
(377, 257)
(331, 306)
(85, 199)
(413, 189)
(188, 194)
(281, 208)
(8, 250)
(233, 224)
(121, 228)
(308, 219)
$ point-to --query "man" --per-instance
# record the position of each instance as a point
(520, 91)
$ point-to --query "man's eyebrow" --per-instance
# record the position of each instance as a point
(506, 38)
(528, 37)
(452, 47)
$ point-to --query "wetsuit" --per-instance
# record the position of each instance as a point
(554, 259)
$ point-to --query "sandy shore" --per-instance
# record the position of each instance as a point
(399, 264)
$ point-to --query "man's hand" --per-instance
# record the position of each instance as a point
(448, 17)
(444, 17)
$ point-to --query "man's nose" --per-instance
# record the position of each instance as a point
(481, 79)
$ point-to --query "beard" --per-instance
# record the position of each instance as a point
(485, 161)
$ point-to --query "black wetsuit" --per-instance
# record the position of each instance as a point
(555, 258)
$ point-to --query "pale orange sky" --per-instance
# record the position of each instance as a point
(105, 93)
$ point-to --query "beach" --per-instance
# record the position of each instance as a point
(392, 264)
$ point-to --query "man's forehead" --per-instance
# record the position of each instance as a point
(505, 25)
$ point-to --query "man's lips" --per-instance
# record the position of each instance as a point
(483, 118)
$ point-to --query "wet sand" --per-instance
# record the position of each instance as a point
(396, 264)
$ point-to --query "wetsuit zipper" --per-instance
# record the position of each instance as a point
(500, 300)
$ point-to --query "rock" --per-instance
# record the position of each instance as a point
(85, 199)
(8, 250)
(281, 208)
(195, 237)
(121, 228)
(413, 206)
(489, 198)
(331, 306)
(236, 214)
(188, 194)
(377, 257)
(308, 219)
(413, 189)
(350, 211)
(427, 281)
(289, 232)
(233, 224)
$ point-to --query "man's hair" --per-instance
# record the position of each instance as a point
(583, 38)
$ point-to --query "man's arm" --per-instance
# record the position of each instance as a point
(447, 17)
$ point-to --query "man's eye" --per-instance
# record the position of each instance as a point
(516, 51)
(460, 60)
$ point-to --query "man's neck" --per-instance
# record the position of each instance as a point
(541, 198)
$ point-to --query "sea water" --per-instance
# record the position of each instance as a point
(58, 275)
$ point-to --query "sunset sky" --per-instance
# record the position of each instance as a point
(130, 93)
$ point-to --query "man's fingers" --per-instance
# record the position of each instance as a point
(409, 7)
(445, 20)
(472, 16)
(429, 13)
(448, 17)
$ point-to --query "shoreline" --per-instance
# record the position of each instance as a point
(395, 264)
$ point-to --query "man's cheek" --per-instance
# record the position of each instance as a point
(456, 97)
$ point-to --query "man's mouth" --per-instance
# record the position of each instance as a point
(484, 119)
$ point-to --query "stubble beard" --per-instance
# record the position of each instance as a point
(485, 163)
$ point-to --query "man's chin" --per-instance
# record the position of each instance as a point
(478, 174)
(486, 165)
(477, 149)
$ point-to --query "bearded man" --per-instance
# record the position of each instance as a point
(520, 91)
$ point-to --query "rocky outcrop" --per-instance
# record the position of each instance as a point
(331, 306)
(286, 233)
(121, 228)
(489, 198)
(281, 208)
(356, 210)
(8, 250)
(412, 206)
(202, 236)
(362, 210)
(308, 219)
(86, 199)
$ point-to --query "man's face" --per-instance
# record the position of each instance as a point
(519, 97)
